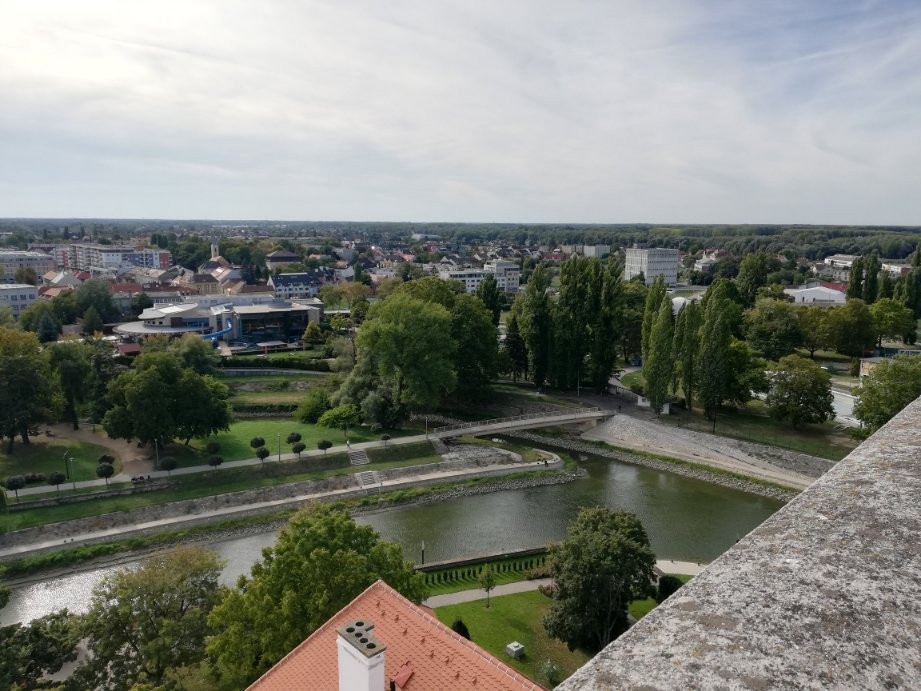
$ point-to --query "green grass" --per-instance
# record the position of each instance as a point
(271, 378)
(267, 397)
(454, 579)
(519, 618)
(634, 379)
(235, 443)
(423, 452)
(753, 424)
(527, 452)
(46, 455)
(310, 354)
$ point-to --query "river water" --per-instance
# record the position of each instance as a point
(686, 519)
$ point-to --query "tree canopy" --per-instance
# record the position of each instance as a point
(292, 591)
(604, 562)
(25, 390)
(800, 392)
(889, 387)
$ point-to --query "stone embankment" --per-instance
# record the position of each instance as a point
(677, 468)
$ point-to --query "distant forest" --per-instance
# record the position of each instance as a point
(812, 242)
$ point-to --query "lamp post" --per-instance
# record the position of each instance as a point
(66, 471)
(423, 551)
(69, 461)
(278, 434)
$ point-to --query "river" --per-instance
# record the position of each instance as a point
(686, 519)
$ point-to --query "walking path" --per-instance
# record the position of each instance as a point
(686, 568)
(275, 504)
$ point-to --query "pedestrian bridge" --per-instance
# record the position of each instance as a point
(516, 422)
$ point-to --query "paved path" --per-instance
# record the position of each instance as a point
(631, 432)
(274, 504)
(667, 566)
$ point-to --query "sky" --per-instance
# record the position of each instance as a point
(690, 111)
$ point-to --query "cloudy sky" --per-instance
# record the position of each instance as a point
(463, 110)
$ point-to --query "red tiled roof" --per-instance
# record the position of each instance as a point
(127, 288)
(422, 653)
(129, 349)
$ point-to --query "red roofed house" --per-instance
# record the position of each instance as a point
(381, 641)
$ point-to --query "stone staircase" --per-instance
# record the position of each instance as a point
(358, 458)
(367, 479)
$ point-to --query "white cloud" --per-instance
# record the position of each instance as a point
(460, 110)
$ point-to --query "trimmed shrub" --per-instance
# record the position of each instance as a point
(212, 447)
(106, 458)
(215, 461)
(667, 585)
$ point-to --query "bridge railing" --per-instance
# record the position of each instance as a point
(513, 418)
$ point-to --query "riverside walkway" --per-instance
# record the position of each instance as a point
(494, 426)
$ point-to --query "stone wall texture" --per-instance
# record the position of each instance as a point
(824, 594)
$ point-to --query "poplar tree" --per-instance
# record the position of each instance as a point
(658, 368)
(654, 297)
(712, 358)
(871, 279)
(687, 339)
(608, 324)
(536, 323)
(855, 280)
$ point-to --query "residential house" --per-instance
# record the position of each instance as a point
(17, 296)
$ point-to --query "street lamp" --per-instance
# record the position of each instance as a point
(66, 471)
(278, 434)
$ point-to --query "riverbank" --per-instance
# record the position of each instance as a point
(697, 471)
(115, 553)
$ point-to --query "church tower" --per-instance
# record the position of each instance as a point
(215, 251)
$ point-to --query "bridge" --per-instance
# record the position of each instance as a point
(515, 422)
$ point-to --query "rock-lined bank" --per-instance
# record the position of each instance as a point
(649, 462)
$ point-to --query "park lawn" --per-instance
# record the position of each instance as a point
(271, 378)
(46, 455)
(204, 484)
(453, 579)
(311, 353)
(423, 452)
(633, 379)
(235, 443)
(751, 423)
(517, 617)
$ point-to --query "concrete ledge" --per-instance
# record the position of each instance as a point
(824, 594)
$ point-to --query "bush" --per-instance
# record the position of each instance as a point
(168, 464)
(317, 365)
(212, 447)
(667, 585)
(294, 437)
(313, 406)
(299, 448)
(57, 478)
(15, 483)
(256, 442)
(460, 628)
(106, 458)
(32, 478)
(215, 461)
(263, 453)
(552, 672)
(538, 572)
(324, 444)
(105, 471)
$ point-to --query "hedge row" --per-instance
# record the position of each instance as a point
(315, 365)
(529, 567)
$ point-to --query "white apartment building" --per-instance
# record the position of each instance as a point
(506, 273)
(17, 296)
(652, 262)
(103, 258)
(596, 250)
(13, 260)
(838, 266)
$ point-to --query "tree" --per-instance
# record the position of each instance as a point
(413, 349)
(893, 320)
(37, 649)
(293, 438)
(31, 316)
(686, 344)
(744, 374)
(654, 297)
(25, 274)
(460, 628)
(168, 463)
(515, 348)
(813, 325)
(341, 417)
(851, 328)
(855, 280)
(56, 478)
(476, 346)
(48, 330)
(712, 357)
(889, 387)
(296, 575)
(97, 294)
(536, 323)
(161, 400)
(215, 461)
(324, 444)
(25, 391)
(298, 448)
(139, 303)
(753, 272)
(487, 581)
(886, 287)
(263, 453)
(772, 328)
(602, 564)
(607, 322)
(871, 279)
(92, 322)
(659, 365)
(634, 297)
(105, 471)
(146, 622)
(256, 442)
(15, 483)
(315, 403)
(7, 321)
(197, 354)
(313, 334)
(800, 392)
(70, 362)
(488, 293)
